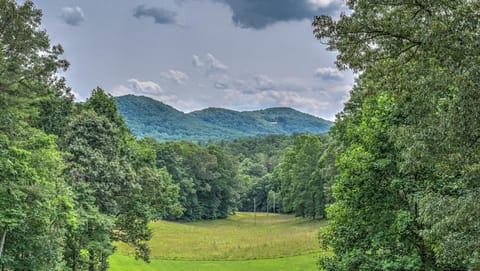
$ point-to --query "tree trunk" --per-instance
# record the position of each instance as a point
(2, 242)
(92, 261)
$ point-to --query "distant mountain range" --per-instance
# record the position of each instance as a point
(149, 117)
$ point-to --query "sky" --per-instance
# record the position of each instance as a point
(194, 54)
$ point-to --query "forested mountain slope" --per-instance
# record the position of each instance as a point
(148, 117)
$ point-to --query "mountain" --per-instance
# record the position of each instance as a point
(149, 117)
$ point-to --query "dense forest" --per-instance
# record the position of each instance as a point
(397, 176)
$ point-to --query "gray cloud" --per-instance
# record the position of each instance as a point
(72, 15)
(263, 82)
(260, 14)
(160, 15)
(221, 85)
(328, 73)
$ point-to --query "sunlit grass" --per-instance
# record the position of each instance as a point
(240, 242)
(238, 237)
(295, 263)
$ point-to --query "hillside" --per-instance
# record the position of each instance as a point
(149, 117)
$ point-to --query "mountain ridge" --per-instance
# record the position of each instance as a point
(148, 117)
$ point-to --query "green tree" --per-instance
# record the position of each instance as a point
(36, 207)
(421, 57)
(206, 176)
(35, 204)
(301, 187)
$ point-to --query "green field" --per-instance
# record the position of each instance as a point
(240, 242)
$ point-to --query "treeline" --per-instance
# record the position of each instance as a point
(247, 174)
(407, 144)
(286, 169)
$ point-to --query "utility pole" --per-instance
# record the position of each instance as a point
(255, 211)
(274, 203)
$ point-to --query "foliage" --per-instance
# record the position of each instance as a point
(35, 203)
(301, 187)
(407, 139)
(206, 177)
(257, 158)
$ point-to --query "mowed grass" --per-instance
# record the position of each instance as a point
(240, 242)
(238, 237)
(295, 263)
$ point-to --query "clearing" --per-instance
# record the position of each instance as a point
(240, 242)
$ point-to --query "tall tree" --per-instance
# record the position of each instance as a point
(35, 203)
(419, 81)
(117, 187)
(301, 187)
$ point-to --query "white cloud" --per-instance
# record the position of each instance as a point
(135, 86)
(77, 96)
(214, 64)
(328, 73)
(178, 77)
(147, 87)
(210, 63)
(324, 3)
(196, 61)
(275, 98)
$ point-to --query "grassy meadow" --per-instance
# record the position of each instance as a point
(240, 242)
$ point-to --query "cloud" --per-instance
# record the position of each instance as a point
(135, 86)
(225, 81)
(210, 63)
(221, 85)
(323, 3)
(147, 87)
(160, 15)
(275, 98)
(196, 61)
(213, 64)
(77, 96)
(260, 14)
(263, 82)
(261, 91)
(176, 76)
(72, 15)
(328, 73)
(154, 91)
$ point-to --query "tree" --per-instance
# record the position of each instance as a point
(422, 57)
(35, 204)
(206, 176)
(36, 207)
(301, 187)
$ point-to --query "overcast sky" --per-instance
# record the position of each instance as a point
(193, 54)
